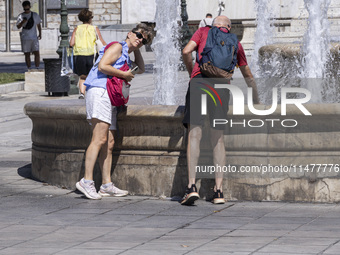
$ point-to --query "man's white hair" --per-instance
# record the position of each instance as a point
(221, 21)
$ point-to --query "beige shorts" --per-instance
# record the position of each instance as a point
(98, 106)
(30, 45)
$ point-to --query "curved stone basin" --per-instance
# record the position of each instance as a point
(290, 50)
(150, 159)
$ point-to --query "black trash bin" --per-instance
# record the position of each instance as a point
(55, 83)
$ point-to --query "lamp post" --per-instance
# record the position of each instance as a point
(64, 29)
(185, 33)
(8, 27)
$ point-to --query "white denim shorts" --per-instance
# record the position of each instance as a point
(30, 45)
(98, 106)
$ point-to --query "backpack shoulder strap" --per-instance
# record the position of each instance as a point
(207, 43)
(235, 39)
(211, 35)
(125, 67)
(95, 30)
(108, 46)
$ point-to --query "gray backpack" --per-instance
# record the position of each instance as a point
(219, 56)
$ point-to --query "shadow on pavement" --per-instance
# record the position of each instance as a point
(26, 171)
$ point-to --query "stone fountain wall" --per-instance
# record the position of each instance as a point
(150, 158)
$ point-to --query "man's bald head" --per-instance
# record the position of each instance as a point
(222, 21)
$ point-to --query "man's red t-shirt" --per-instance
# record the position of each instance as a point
(200, 38)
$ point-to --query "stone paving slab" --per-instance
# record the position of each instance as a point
(333, 250)
(293, 249)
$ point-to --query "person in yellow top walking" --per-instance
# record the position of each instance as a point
(83, 41)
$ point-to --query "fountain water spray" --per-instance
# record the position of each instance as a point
(167, 52)
(309, 65)
(316, 48)
(264, 33)
(316, 40)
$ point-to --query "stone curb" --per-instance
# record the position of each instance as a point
(11, 87)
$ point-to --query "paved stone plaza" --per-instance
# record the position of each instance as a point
(36, 218)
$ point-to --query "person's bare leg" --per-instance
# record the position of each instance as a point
(217, 142)
(28, 59)
(82, 87)
(99, 138)
(36, 58)
(193, 151)
(105, 158)
(105, 162)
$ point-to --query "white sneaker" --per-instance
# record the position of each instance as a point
(112, 190)
(88, 190)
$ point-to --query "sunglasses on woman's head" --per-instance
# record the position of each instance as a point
(140, 36)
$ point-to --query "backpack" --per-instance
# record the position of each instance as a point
(219, 56)
(117, 88)
(30, 22)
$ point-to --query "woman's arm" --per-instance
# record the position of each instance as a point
(73, 38)
(100, 36)
(111, 55)
(139, 61)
